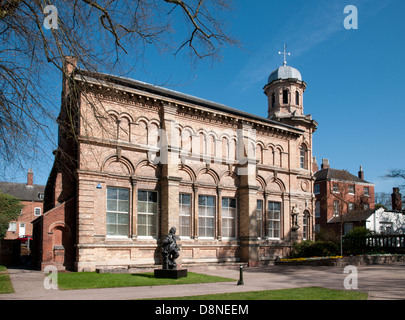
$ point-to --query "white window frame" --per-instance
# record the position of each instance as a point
(303, 157)
(203, 215)
(156, 214)
(185, 216)
(271, 221)
(259, 218)
(336, 208)
(305, 219)
(229, 218)
(367, 194)
(117, 212)
(35, 211)
(12, 226)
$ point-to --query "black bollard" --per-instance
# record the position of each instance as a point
(240, 282)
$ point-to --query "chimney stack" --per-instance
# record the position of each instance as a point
(396, 200)
(361, 173)
(315, 167)
(30, 177)
(325, 164)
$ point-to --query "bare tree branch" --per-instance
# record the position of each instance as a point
(396, 174)
(99, 34)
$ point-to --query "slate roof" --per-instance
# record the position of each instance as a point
(342, 175)
(352, 216)
(284, 72)
(22, 191)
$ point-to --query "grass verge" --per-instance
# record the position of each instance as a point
(5, 282)
(91, 280)
(309, 293)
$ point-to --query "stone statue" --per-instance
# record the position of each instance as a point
(170, 250)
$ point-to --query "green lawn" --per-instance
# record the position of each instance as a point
(5, 282)
(90, 280)
(311, 293)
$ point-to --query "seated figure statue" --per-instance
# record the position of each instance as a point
(170, 250)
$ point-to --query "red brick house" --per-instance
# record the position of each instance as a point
(31, 196)
(341, 197)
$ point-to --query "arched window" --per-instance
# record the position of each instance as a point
(273, 100)
(124, 129)
(285, 96)
(303, 157)
(203, 144)
(225, 148)
(297, 98)
(259, 154)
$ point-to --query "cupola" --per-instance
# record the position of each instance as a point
(285, 91)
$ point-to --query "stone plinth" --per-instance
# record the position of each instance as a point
(170, 274)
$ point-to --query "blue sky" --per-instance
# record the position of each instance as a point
(355, 78)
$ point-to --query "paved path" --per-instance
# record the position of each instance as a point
(380, 281)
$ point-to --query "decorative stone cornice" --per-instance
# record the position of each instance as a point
(134, 97)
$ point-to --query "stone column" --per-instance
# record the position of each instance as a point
(249, 244)
(169, 160)
(194, 218)
(169, 204)
(219, 215)
(247, 195)
(134, 207)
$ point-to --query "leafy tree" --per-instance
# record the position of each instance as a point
(10, 208)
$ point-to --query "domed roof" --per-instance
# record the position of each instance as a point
(285, 72)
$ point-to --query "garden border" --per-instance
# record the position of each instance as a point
(367, 259)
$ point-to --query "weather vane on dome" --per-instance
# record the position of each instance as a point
(285, 54)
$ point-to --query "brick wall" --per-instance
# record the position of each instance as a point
(113, 149)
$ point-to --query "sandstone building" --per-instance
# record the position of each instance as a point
(141, 159)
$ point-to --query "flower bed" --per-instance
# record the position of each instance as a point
(313, 261)
(367, 259)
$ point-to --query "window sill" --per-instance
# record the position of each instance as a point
(146, 238)
(117, 238)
